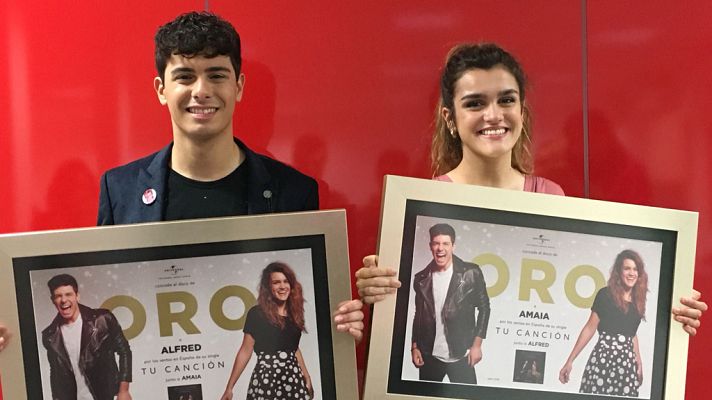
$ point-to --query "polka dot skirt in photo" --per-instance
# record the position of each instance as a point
(277, 376)
(611, 369)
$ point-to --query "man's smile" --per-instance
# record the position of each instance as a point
(202, 110)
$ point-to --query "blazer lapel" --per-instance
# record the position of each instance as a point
(154, 177)
(261, 195)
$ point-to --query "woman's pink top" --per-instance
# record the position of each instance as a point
(532, 183)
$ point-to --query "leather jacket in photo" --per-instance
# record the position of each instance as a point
(102, 338)
(466, 292)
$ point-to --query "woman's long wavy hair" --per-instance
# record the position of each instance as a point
(295, 301)
(446, 150)
(639, 292)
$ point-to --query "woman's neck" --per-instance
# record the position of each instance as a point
(282, 309)
(628, 294)
(493, 173)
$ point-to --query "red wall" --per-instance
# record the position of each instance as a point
(345, 92)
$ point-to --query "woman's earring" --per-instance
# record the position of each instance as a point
(453, 131)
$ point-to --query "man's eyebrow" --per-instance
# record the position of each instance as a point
(218, 69)
(180, 70)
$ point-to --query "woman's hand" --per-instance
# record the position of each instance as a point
(689, 315)
(373, 282)
(640, 374)
(227, 395)
(310, 387)
(4, 336)
(349, 318)
(565, 373)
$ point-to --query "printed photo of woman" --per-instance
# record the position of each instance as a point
(614, 366)
(273, 329)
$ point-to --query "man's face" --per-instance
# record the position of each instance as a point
(66, 300)
(200, 94)
(441, 246)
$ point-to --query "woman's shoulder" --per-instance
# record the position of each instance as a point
(604, 291)
(442, 178)
(540, 184)
(255, 312)
(602, 300)
(604, 295)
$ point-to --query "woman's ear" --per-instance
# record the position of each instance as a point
(446, 116)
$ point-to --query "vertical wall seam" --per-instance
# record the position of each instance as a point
(584, 94)
(206, 5)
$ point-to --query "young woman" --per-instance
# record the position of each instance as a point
(614, 367)
(482, 126)
(482, 137)
(273, 329)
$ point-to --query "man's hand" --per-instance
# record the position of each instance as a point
(373, 282)
(349, 318)
(4, 336)
(475, 355)
(689, 315)
(123, 392)
(417, 358)
(123, 396)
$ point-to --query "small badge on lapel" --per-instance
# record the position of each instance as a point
(149, 196)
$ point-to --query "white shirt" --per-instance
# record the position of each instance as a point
(441, 283)
(72, 337)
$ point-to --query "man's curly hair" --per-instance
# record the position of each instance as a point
(197, 34)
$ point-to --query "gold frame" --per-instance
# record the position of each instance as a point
(329, 224)
(398, 191)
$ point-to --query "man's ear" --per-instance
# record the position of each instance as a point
(240, 87)
(158, 86)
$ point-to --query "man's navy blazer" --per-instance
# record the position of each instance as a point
(271, 185)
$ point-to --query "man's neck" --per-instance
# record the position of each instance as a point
(207, 160)
(73, 319)
(443, 269)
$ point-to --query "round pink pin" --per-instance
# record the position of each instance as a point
(149, 196)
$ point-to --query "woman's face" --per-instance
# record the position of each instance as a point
(629, 273)
(280, 286)
(488, 113)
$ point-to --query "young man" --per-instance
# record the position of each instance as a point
(451, 313)
(206, 172)
(82, 344)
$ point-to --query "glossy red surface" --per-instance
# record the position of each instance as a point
(345, 92)
(649, 123)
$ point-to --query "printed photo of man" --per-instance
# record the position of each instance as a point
(451, 313)
(82, 344)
